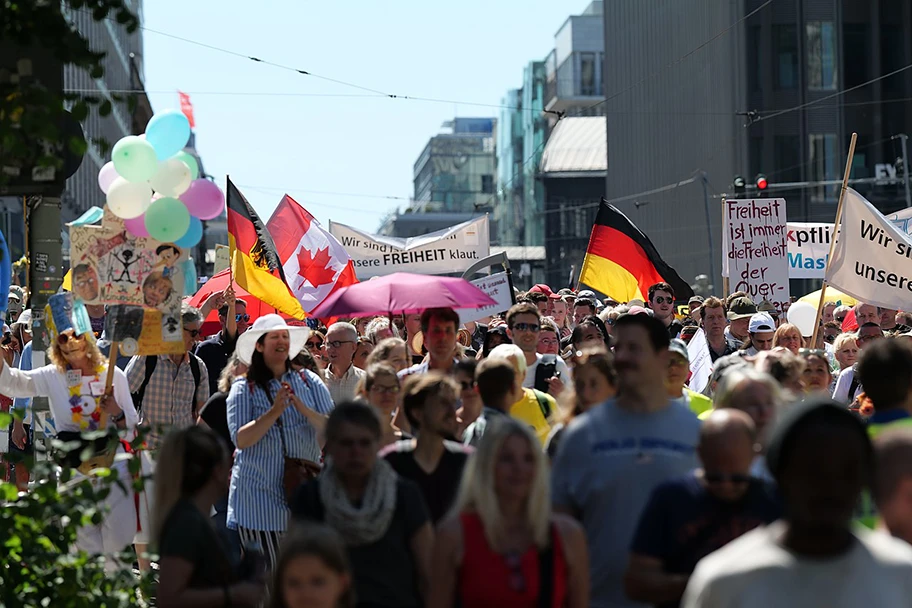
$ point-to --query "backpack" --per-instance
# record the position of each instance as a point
(546, 369)
(151, 362)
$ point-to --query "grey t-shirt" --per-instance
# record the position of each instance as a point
(607, 465)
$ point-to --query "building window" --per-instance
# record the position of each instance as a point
(786, 158)
(756, 157)
(855, 53)
(785, 41)
(753, 58)
(587, 75)
(892, 58)
(487, 184)
(821, 55)
(822, 164)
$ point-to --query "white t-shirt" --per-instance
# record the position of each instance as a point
(843, 384)
(566, 378)
(49, 382)
(755, 571)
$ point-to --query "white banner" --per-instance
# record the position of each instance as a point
(498, 287)
(700, 361)
(809, 244)
(754, 250)
(446, 251)
(871, 258)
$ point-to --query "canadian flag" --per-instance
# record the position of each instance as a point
(315, 263)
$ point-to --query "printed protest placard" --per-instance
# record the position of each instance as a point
(754, 249)
(871, 260)
(700, 361)
(808, 248)
(450, 250)
(498, 287)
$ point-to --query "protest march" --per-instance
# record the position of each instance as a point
(310, 425)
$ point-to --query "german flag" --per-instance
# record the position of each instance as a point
(622, 262)
(254, 261)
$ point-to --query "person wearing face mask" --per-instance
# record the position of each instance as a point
(688, 518)
(74, 383)
(276, 417)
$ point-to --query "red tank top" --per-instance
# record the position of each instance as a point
(489, 579)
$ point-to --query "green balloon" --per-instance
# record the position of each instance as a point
(167, 220)
(134, 159)
(188, 160)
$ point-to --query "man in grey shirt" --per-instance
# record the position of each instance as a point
(612, 457)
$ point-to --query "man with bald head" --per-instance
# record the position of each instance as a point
(690, 517)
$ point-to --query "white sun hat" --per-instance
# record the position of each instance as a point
(246, 344)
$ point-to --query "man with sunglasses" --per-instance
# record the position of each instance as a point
(215, 351)
(546, 373)
(688, 518)
(661, 301)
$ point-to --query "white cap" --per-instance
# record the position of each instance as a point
(761, 321)
(25, 320)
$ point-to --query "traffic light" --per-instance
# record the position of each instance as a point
(761, 182)
(739, 184)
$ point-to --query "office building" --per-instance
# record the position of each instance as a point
(693, 100)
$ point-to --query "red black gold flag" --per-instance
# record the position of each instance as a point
(254, 261)
(622, 262)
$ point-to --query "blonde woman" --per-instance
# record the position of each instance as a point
(503, 546)
(195, 566)
(845, 350)
(789, 337)
(391, 351)
(74, 383)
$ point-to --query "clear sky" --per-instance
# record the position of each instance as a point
(256, 122)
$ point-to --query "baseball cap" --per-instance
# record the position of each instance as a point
(741, 308)
(542, 288)
(586, 293)
(25, 320)
(767, 306)
(679, 347)
(695, 299)
(761, 321)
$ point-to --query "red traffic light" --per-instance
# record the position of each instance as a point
(761, 182)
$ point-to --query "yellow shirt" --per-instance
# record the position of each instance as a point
(529, 411)
(698, 403)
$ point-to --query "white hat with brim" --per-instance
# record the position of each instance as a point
(25, 320)
(246, 344)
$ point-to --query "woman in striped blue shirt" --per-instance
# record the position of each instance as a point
(272, 413)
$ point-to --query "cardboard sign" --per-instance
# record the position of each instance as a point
(222, 258)
(498, 287)
(754, 249)
(446, 251)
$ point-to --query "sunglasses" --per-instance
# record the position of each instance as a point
(663, 300)
(64, 338)
(839, 319)
(242, 318)
(466, 385)
(812, 352)
(533, 327)
(722, 478)
(314, 344)
(193, 332)
(829, 339)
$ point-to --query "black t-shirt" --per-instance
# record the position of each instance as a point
(683, 523)
(214, 352)
(190, 535)
(215, 414)
(674, 328)
(439, 487)
(384, 570)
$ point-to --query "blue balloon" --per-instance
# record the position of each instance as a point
(168, 132)
(192, 236)
(6, 273)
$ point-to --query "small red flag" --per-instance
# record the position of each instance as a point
(187, 108)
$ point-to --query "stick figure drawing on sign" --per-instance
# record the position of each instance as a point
(126, 260)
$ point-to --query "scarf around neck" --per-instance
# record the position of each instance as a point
(369, 522)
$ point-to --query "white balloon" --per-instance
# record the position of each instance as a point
(128, 200)
(172, 178)
(803, 315)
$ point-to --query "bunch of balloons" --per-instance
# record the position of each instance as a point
(154, 186)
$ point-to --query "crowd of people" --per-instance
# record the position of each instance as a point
(551, 455)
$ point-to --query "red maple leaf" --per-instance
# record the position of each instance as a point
(314, 268)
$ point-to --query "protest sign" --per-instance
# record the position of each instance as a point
(450, 250)
(497, 286)
(871, 258)
(700, 361)
(754, 250)
(222, 258)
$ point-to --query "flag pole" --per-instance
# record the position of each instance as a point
(230, 318)
(837, 224)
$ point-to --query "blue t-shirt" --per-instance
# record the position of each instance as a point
(608, 463)
(683, 522)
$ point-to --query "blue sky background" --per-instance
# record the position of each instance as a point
(256, 123)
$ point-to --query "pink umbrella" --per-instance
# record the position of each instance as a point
(402, 293)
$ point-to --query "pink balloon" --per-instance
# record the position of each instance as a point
(106, 176)
(137, 226)
(204, 199)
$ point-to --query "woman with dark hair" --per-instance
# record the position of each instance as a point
(382, 517)
(313, 570)
(589, 333)
(195, 566)
(496, 336)
(275, 415)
